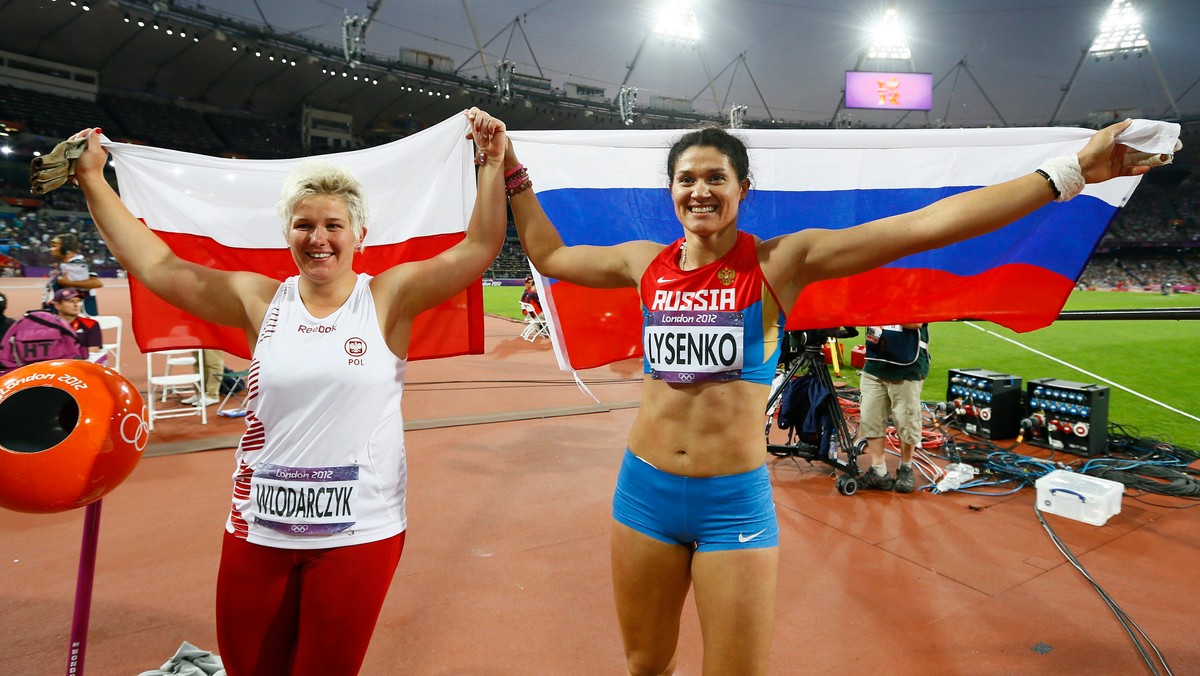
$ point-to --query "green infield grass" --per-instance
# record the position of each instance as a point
(1151, 358)
(503, 301)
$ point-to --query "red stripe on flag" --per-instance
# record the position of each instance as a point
(1019, 296)
(452, 328)
(601, 326)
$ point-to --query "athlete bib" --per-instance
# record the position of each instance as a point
(715, 323)
(304, 500)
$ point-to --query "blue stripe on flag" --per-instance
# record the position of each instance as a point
(1059, 237)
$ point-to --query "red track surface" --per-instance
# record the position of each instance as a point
(505, 569)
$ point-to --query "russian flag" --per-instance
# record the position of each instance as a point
(606, 187)
(221, 213)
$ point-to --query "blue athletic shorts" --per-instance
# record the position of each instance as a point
(709, 513)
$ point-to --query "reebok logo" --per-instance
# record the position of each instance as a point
(746, 538)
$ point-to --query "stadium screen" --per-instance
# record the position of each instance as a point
(889, 91)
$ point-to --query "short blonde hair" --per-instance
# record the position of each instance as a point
(316, 178)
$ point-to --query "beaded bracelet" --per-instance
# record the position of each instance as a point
(522, 187)
(516, 179)
(513, 172)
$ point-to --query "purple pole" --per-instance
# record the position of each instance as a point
(83, 588)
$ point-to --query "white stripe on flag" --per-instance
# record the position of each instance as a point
(420, 185)
(816, 160)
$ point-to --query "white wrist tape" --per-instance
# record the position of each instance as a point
(1066, 176)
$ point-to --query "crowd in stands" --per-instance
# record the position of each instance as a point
(1157, 214)
(142, 119)
(59, 200)
(1149, 273)
(1105, 274)
(511, 263)
(26, 239)
(1153, 243)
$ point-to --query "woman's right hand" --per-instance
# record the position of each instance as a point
(489, 135)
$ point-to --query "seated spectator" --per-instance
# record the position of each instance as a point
(68, 303)
(5, 320)
(530, 295)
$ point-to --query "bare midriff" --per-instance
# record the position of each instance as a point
(701, 430)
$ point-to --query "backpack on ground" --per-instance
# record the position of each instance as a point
(231, 384)
(39, 336)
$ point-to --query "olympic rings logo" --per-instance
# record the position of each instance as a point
(299, 528)
(134, 430)
(687, 377)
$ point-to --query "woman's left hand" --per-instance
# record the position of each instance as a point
(1103, 158)
(489, 135)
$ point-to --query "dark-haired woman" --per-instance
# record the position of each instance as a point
(693, 503)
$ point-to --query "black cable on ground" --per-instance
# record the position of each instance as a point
(1140, 640)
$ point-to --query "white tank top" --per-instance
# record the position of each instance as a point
(322, 462)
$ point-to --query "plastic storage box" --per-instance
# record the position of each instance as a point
(1081, 497)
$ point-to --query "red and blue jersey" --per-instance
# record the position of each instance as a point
(718, 322)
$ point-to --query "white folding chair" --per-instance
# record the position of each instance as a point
(158, 386)
(111, 322)
(189, 359)
(535, 323)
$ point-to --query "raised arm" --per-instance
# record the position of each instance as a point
(231, 298)
(793, 261)
(410, 288)
(602, 267)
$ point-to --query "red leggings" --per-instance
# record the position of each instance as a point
(300, 611)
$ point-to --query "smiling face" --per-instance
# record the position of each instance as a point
(706, 190)
(321, 239)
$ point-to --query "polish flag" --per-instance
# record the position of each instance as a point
(606, 187)
(221, 213)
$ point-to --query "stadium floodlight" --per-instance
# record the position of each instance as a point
(737, 116)
(626, 102)
(888, 41)
(354, 35)
(504, 74)
(1120, 33)
(886, 52)
(677, 24)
